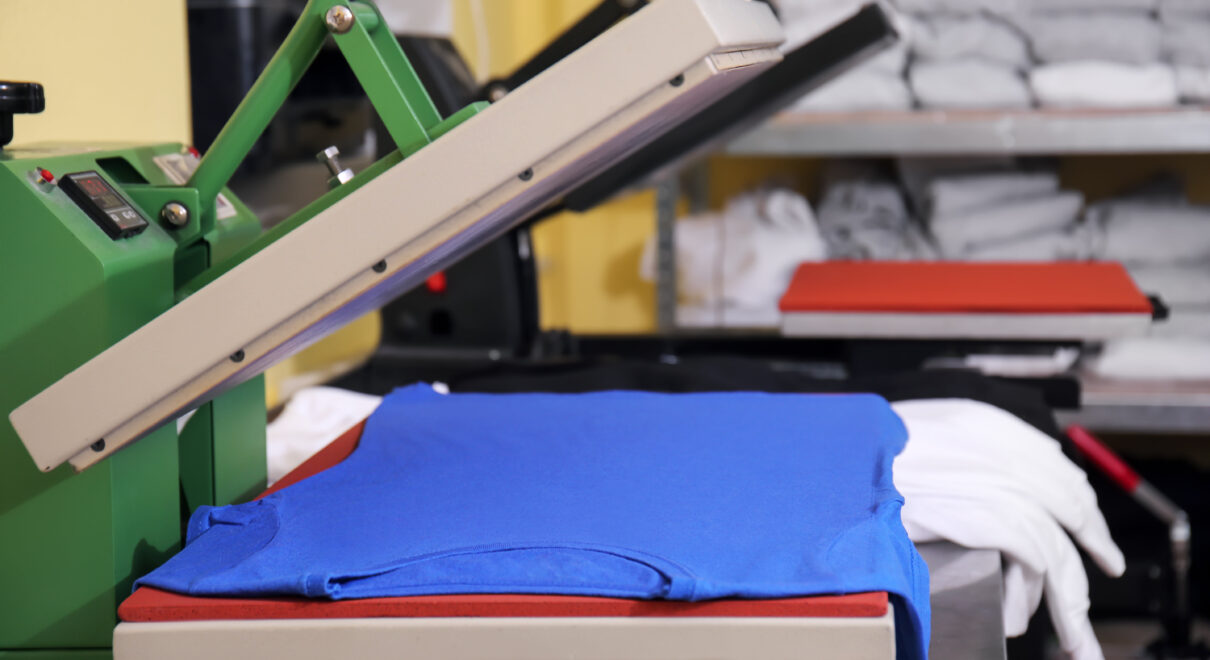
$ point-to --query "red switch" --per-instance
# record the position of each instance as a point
(193, 151)
(45, 176)
(436, 282)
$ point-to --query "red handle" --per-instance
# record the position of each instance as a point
(1104, 458)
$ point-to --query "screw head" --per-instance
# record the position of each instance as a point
(175, 214)
(339, 19)
(496, 92)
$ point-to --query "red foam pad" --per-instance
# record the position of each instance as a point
(149, 605)
(945, 287)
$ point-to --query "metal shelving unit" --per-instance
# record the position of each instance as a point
(925, 133)
(1149, 407)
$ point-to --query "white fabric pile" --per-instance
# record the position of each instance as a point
(876, 84)
(863, 218)
(1166, 247)
(311, 420)
(1001, 215)
(1186, 37)
(980, 477)
(968, 60)
(971, 474)
(1013, 54)
(733, 266)
(1111, 55)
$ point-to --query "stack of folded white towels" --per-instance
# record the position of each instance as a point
(967, 59)
(877, 84)
(733, 265)
(998, 213)
(1186, 30)
(1098, 53)
(1165, 245)
(1011, 54)
(863, 214)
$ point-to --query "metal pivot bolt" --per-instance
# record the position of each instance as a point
(339, 175)
(339, 19)
(175, 214)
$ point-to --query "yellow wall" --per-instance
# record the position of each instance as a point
(113, 71)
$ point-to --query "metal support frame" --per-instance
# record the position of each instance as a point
(667, 194)
(694, 183)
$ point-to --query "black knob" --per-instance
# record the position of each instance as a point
(18, 98)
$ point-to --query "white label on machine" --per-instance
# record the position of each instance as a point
(179, 167)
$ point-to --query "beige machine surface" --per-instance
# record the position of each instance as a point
(657, 638)
(510, 160)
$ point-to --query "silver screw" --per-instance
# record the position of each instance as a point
(496, 93)
(340, 175)
(175, 214)
(339, 19)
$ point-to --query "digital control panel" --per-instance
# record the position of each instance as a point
(103, 204)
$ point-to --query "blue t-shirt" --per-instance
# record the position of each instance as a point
(626, 494)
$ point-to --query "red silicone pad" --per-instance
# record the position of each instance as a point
(944, 287)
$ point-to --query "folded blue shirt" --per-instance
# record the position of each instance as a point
(627, 494)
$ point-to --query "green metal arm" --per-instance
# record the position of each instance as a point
(377, 60)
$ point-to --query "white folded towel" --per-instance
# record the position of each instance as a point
(1187, 41)
(915, 174)
(744, 256)
(1193, 83)
(1174, 8)
(1128, 37)
(1143, 233)
(961, 233)
(858, 91)
(964, 84)
(1177, 285)
(863, 219)
(312, 419)
(951, 195)
(998, 7)
(1104, 85)
(1067, 244)
(1065, 5)
(1154, 358)
(943, 37)
(803, 20)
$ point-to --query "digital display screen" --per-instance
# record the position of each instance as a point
(100, 192)
(103, 204)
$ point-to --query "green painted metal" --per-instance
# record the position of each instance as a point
(238, 417)
(73, 543)
(222, 448)
(68, 292)
(390, 82)
(255, 112)
(366, 14)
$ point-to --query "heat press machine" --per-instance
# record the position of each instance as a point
(142, 300)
